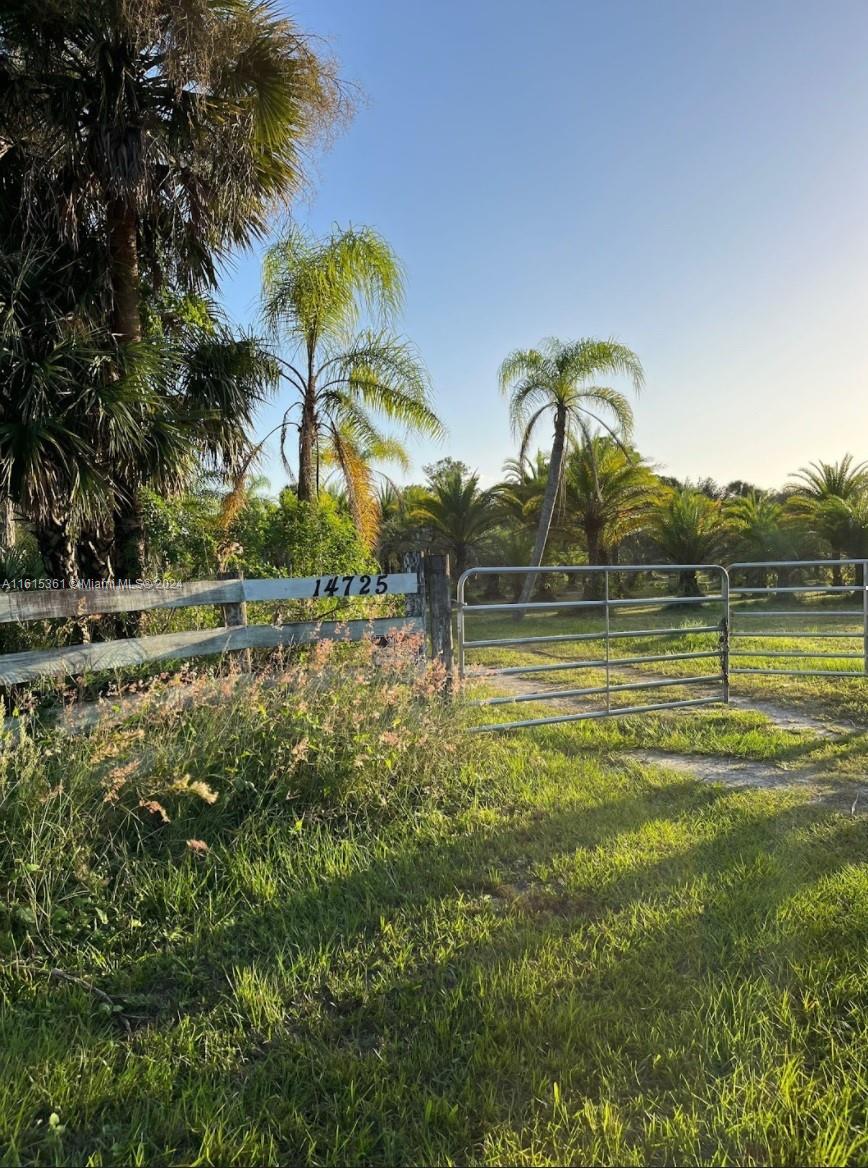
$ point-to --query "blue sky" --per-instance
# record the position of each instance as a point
(688, 177)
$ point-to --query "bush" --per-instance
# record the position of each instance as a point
(353, 733)
(306, 539)
(267, 538)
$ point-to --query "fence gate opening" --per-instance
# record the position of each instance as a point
(613, 633)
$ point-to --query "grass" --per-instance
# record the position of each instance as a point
(399, 944)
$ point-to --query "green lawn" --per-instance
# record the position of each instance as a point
(409, 945)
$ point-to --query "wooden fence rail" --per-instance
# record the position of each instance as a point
(422, 584)
(38, 604)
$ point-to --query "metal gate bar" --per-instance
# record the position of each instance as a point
(601, 636)
(609, 606)
(583, 715)
(585, 690)
(601, 662)
(860, 616)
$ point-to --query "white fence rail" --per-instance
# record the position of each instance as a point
(39, 603)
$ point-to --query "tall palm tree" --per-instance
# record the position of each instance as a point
(459, 514)
(560, 379)
(314, 293)
(174, 126)
(154, 136)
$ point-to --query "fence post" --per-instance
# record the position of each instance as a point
(414, 603)
(439, 596)
(235, 613)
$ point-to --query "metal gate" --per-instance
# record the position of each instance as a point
(813, 611)
(600, 620)
(840, 623)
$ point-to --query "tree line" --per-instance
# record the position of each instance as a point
(612, 506)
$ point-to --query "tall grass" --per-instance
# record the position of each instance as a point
(347, 734)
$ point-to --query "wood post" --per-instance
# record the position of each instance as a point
(438, 589)
(235, 613)
(415, 562)
(415, 602)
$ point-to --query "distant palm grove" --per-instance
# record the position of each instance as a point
(139, 145)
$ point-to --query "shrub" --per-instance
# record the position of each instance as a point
(353, 733)
(304, 538)
(267, 538)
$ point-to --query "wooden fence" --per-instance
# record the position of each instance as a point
(424, 584)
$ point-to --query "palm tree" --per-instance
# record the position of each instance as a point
(517, 500)
(143, 141)
(821, 480)
(688, 529)
(560, 379)
(844, 522)
(174, 126)
(459, 515)
(761, 526)
(56, 398)
(762, 530)
(611, 490)
(74, 436)
(314, 292)
(195, 389)
(812, 488)
(520, 494)
(401, 528)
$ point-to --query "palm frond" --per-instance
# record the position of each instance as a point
(383, 374)
(314, 291)
(356, 473)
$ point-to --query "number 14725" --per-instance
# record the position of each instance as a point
(351, 586)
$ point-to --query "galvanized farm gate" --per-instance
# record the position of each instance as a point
(747, 608)
(604, 608)
(740, 593)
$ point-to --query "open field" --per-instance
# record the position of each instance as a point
(405, 944)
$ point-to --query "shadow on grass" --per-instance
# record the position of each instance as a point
(601, 977)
